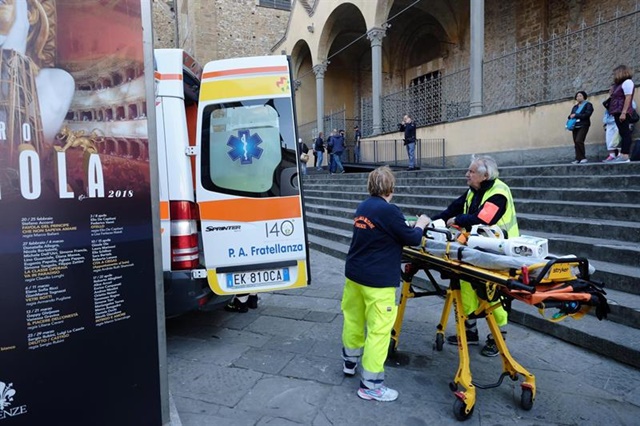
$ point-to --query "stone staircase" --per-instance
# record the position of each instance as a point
(590, 210)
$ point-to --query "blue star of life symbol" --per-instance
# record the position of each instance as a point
(245, 146)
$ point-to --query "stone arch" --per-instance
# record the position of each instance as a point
(343, 41)
(346, 17)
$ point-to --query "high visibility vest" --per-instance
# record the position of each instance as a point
(508, 221)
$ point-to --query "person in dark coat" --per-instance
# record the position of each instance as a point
(581, 111)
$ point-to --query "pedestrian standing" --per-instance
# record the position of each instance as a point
(580, 119)
(372, 272)
(611, 136)
(409, 128)
(318, 148)
(358, 136)
(619, 105)
(303, 153)
(331, 160)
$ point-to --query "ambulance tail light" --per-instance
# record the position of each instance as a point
(184, 235)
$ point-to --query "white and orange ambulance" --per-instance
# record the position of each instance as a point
(230, 197)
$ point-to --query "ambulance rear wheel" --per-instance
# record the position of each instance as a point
(460, 410)
(526, 399)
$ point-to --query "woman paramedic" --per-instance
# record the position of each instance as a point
(372, 272)
(488, 201)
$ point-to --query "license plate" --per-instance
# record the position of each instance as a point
(254, 278)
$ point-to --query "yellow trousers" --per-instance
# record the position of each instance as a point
(375, 309)
(470, 303)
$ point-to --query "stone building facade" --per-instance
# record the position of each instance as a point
(217, 29)
(372, 60)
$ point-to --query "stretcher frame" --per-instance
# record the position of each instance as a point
(500, 285)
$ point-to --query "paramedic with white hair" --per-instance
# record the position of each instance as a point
(488, 201)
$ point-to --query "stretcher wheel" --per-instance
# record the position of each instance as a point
(459, 410)
(439, 342)
(526, 399)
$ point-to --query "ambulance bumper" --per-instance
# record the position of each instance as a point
(183, 294)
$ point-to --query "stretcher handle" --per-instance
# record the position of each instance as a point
(583, 267)
(446, 232)
(517, 285)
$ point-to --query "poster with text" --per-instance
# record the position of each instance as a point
(78, 341)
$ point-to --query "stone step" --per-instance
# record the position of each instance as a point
(613, 227)
(607, 337)
(602, 195)
(628, 181)
(602, 249)
(617, 276)
(589, 169)
(437, 203)
(619, 260)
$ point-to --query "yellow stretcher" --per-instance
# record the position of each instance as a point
(561, 283)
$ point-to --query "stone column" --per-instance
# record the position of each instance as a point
(477, 56)
(375, 36)
(319, 71)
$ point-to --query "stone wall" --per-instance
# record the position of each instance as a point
(218, 29)
(164, 30)
(235, 28)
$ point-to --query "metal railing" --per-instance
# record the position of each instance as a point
(429, 152)
(549, 70)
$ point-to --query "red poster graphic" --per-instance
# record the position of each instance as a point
(73, 98)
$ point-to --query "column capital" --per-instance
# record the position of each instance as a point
(375, 36)
(320, 69)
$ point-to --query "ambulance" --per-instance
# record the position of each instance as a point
(232, 218)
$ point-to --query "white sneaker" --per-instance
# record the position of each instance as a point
(575, 162)
(584, 161)
(382, 393)
(620, 159)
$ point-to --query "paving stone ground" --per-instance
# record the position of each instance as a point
(280, 365)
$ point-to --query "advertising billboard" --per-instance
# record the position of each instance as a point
(79, 335)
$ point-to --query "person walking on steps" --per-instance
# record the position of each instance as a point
(242, 303)
(372, 274)
(488, 201)
(337, 148)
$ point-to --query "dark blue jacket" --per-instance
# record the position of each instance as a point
(409, 130)
(336, 142)
(583, 118)
(379, 233)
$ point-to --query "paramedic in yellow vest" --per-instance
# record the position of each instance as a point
(488, 201)
(372, 272)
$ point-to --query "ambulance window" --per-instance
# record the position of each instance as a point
(241, 148)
